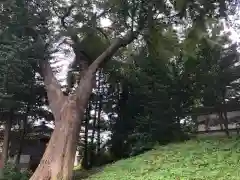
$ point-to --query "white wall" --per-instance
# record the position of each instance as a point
(230, 115)
(214, 115)
(201, 127)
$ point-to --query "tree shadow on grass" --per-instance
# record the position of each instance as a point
(84, 174)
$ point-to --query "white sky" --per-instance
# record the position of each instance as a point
(64, 60)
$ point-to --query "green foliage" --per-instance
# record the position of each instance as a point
(155, 90)
(10, 173)
(163, 83)
(93, 50)
(204, 159)
(19, 85)
(158, 95)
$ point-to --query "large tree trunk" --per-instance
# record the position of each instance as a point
(58, 160)
(7, 131)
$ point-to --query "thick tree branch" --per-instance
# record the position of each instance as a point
(68, 12)
(115, 46)
(55, 95)
(86, 85)
(94, 18)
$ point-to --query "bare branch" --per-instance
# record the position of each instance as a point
(55, 95)
(85, 84)
(120, 42)
(54, 9)
(103, 33)
(68, 12)
(102, 13)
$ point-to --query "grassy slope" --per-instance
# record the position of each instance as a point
(205, 159)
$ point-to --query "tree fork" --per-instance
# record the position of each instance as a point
(58, 159)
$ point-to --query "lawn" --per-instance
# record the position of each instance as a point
(199, 159)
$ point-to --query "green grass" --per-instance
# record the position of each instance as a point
(202, 159)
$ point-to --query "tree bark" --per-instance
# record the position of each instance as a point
(101, 96)
(220, 122)
(22, 135)
(226, 123)
(92, 150)
(85, 162)
(55, 95)
(98, 126)
(7, 131)
(58, 160)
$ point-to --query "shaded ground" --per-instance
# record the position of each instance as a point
(209, 158)
(84, 174)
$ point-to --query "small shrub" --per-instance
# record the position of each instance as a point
(11, 173)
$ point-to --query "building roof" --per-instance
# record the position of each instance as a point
(212, 110)
(40, 131)
(37, 132)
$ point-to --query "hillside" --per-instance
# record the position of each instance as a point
(202, 159)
